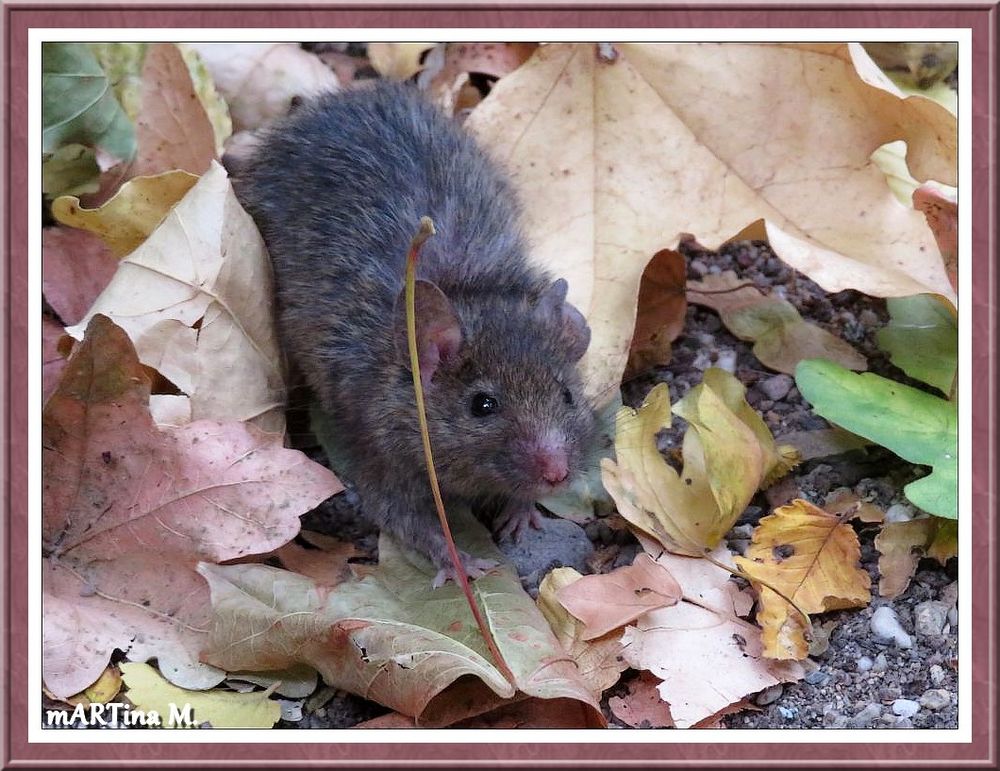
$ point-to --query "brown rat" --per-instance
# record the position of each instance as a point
(338, 189)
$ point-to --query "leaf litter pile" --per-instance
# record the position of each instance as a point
(768, 537)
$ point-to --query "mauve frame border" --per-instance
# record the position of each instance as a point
(981, 17)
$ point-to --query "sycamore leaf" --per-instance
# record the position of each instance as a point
(661, 311)
(811, 557)
(260, 80)
(127, 514)
(78, 106)
(599, 660)
(913, 424)
(196, 297)
(705, 652)
(399, 61)
(922, 339)
(76, 266)
(389, 636)
(135, 211)
(222, 709)
(728, 454)
(781, 337)
(902, 544)
(609, 601)
(641, 706)
(615, 157)
(172, 128)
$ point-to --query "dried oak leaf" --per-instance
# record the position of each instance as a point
(614, 158)
(660, 313)
(781, 337)
(902, 544)
(814, 559)
(196, 299)
(705, 652)
(130, 509)
(389, 636)
(608, 601)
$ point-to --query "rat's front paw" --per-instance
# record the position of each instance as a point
(474, 568)
(514, 520)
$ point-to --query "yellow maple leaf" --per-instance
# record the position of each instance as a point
(813, 559)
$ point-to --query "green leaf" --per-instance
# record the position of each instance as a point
(78, 104)
(389, 636)
(70, 170)
(917, 426)
(922, 339)
(122, 63)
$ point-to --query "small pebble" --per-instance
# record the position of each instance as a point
(929, 618)
(949, 594)
(905, 707)
(867, 716)
(817, 677)
(789, 713)
(953, 617)
(935, 699)
(937, 674)
(769, 695)
(743, 531)
(889, 693)
(902, 722)
(697, 268)
(899, 512)
(869, 318)
(833, 719)
(886, 628)
(776, 387)
(864, 664)
(727, 360)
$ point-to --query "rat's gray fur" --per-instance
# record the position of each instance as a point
(338, 189)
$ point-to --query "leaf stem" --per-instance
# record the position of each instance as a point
(425, 231)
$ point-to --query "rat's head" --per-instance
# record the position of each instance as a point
(505, 405)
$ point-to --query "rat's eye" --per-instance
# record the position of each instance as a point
(483, 405)
(568, 396)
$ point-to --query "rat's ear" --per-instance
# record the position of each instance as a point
(439, 335)
(574, 333)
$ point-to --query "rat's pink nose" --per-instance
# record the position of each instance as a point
(552, 464)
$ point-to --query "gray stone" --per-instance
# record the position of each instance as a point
(949, 594)
(559, 542)
(899, 512)
(935, 699)
(769, 695)
(789, 713)
(866, 716)
(881, 663)
(776, 387)
(886, 628)
(937, 674)
(953, 617)
(817, 677)
(864, 664)
(902, 722)
(929, 618)
(905, 707)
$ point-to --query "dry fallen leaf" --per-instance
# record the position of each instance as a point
(599, 661)
(942, 218)
(641, 705)
(902, 544)
(52, 361)
(661, 311)
(76, 266)
(260, 80)
(609, 601)
(172, 128)
(781, 337)
(222, 709)
(128, 513)
(127, 219)
(399, 61)
(196, 297)
(814, 559)
(615, 158)
(728, 454)
(457, 60)
(703, 650)
(389, 636)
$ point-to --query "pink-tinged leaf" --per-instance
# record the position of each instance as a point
(606, 602)
(129, 510)
(942, 218)
(52, 361)
(76, 266)
(642, 706)
(172, 127)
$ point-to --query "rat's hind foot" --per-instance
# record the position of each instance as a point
(474, 568)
